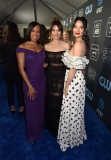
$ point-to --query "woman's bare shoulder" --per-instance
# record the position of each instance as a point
(66, 45)
(79, 48)
(23, 45)
(47, 46)
(79, 44)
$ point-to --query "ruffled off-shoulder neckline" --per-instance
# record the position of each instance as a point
(68, 54)
(76, 62)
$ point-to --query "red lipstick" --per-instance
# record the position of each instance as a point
(77, 33)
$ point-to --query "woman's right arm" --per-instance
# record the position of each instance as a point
(46, 60)
(21, 65)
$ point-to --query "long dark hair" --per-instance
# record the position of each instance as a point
(29, 30)
(85, 36)
(11, 34)
(44, 35)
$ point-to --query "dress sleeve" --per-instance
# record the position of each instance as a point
(19, 50)
(74, 61)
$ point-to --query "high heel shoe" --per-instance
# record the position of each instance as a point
(21, 111)
(13, 109)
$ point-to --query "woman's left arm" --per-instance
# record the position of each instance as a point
(71, 75)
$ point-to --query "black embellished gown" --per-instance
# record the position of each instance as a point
(55, 73)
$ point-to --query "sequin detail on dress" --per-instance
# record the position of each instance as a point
(34, 109)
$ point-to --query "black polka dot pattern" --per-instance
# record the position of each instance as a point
(71, 130)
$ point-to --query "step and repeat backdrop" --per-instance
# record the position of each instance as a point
(98, 71)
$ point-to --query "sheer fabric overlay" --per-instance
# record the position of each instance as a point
(55, 74)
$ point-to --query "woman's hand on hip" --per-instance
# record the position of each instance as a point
(66, 90)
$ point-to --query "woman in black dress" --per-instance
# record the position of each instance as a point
(55, 73)
(10, 67)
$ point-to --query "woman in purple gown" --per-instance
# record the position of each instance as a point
(31, 56)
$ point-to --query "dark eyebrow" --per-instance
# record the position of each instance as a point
(79, 26)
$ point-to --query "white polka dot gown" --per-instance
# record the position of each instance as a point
(71, 130)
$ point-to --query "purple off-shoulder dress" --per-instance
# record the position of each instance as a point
(34, 109)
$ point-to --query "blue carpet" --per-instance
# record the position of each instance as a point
(14, 146)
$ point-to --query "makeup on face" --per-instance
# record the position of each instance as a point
(78, 29)
(35, 33)
(55, 33)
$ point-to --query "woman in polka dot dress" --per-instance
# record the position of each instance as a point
(71, 130)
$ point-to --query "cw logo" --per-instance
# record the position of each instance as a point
(105, 83)
(88, 9)
(89, 94)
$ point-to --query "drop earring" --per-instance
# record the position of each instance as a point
(84, 35)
